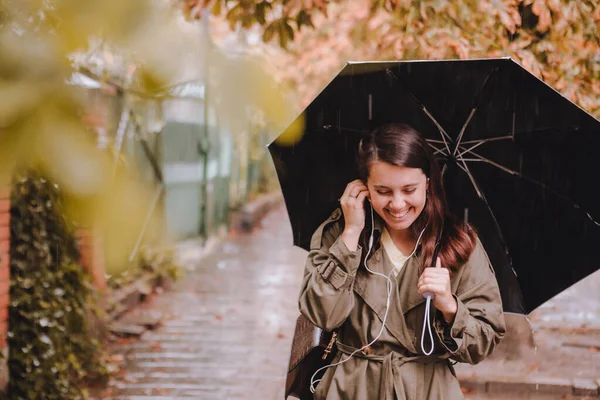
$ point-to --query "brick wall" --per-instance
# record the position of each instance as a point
(4, 258)
(92, 256)
(4, 281)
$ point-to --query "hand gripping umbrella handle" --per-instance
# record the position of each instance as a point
(430, 296)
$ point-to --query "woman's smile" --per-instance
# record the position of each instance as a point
(400, 214)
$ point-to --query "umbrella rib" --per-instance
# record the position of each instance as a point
(416, 99)
(465, 151)
(487, 140)
(540, 130)
(462, 130)
(437, 150)
(533, 181)
(435, 141)
(478, 143)
(468, 172)
(495, 164)
(442, 131)
(477, 101)
(440, 128)
(484, 199)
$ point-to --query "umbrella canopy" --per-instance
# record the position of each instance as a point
(518, 160)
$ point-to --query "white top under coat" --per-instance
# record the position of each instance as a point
(395, 255)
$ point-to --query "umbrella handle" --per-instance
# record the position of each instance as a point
(427, 327)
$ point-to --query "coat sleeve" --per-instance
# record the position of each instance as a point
(478, 325)
(326, 297)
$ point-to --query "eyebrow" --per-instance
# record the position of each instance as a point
(385, 187)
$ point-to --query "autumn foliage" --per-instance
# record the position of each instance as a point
(557, 40)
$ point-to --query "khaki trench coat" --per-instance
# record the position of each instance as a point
(337, 294)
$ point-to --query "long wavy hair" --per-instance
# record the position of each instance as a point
(401, 145)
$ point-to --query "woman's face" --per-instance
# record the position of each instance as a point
(398, 194)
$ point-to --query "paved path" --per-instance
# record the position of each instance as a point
(228, 326)
(566, 331)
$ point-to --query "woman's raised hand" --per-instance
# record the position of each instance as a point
(352, 202)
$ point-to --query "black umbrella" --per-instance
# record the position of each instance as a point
(519, 162)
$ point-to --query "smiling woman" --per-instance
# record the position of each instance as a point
(379, 321)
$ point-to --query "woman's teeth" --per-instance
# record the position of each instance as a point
(400, 214)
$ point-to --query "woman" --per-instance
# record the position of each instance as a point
(345, 285)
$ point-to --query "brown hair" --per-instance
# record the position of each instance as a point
(401, 145)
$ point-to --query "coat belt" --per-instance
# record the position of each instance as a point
(392, 362)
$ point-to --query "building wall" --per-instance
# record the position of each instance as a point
(4, 279)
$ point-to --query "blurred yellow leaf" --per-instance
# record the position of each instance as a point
(69, 154)
(80, 20)
(293, 133)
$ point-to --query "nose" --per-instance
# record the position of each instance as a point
(397, 202)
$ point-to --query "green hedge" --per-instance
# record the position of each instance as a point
(51, 348)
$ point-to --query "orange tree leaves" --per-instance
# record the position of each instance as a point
(557, 40)
(280, 19)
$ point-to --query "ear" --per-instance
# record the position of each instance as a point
(368, 191)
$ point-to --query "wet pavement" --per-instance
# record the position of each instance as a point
(566, 332)
(228, 325)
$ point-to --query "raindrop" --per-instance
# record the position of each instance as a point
(44, 322)
(59, 292)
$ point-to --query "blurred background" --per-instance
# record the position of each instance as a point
(145, 252)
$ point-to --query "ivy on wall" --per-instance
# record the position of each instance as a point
(51, 346)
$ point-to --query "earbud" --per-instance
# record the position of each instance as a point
(372, 224)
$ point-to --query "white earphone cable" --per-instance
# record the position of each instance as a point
(390, 285)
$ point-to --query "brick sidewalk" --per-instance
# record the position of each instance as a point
(228, 325)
